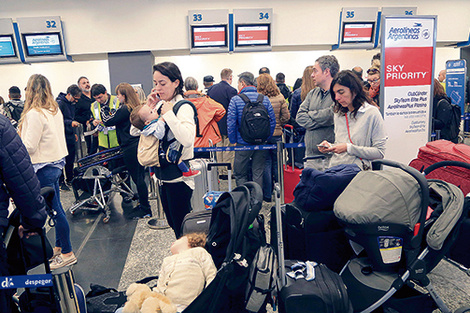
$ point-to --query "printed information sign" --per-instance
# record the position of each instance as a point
(456, 71)
(407, 76)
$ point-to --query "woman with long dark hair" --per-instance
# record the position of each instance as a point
(442, 113)
(41, 128)
(129, 143)
(359, 128)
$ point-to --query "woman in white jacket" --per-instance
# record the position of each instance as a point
(175, 191)
(41, 128)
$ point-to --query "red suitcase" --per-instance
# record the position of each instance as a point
(443, 150)
(291, 173)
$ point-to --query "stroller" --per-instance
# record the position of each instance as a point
(95, 183)
(400, 225)
(235, 234)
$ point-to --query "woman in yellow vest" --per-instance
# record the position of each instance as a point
(107, 137)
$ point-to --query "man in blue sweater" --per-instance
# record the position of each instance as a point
(234, 116)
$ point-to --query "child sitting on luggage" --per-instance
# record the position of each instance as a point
(150, 122)
(185, 274)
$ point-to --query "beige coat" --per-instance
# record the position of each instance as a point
(184, 276)
(44, 136)
(281, 111)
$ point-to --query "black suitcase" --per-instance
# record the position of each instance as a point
(325, 293)
(313, 236)
(196, 222)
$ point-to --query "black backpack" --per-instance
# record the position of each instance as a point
(453, 128)
(255, 127)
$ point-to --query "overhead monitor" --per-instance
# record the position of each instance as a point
(42, 44)
(252, 35)
(208, 36)
(358, 32)
(7, 46)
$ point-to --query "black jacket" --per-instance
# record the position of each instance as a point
(286, 92)
(120, 119)
(68, 111)
(222, 93)
(18, 180)
(441, 117)
(83, 110)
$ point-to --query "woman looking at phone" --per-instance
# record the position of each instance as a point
(360, 135)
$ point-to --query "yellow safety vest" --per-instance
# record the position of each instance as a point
(107, 137)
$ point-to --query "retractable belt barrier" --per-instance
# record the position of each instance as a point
(247, 148)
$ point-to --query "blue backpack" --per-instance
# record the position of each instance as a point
(317, 191)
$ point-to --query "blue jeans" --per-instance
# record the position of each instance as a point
(49, 177)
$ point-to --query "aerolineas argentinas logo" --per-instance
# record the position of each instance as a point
(408, 33)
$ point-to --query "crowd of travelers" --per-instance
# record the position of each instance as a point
(335, 113)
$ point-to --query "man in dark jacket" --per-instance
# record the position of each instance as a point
(235, 112)
(83, 113)
(281, 84)
(222, 93)
(67, 106)
(19, 182)
(13, 108)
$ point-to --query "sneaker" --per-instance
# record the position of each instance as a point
(61, 261)
(64, 187)
(56, 253)
(191, 173)
(139, 212)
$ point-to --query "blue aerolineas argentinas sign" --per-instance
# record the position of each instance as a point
(456, 71)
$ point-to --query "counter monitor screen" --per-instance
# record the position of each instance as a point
(7, 48)
(252, 35)
(42, 44)
(358, 32)
(209, 36)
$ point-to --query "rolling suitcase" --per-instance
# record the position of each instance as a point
(307, 286)
(198, 221)
(201, 182)
(444, 150)
(291, 173)
(312, 236)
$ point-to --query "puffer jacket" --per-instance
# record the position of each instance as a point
(209, 112)
(19, 180)
(281, 111)
(235, 111)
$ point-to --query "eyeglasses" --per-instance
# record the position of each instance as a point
(373, 71)
(373, 81)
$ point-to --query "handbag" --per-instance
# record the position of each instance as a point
(147, 151)
(30, 247)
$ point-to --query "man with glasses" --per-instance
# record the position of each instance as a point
(67, 106)
(373, 78)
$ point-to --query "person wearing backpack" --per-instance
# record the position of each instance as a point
(13, 108)
(250, 121)
(445, 121)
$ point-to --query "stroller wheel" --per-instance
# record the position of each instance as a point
(106, 219)
(464, 309)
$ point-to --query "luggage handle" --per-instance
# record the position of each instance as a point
(437, 165)
(280, 242)
(229, 173)
(423, 184)
(290, 128)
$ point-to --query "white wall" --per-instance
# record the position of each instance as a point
(60, 74)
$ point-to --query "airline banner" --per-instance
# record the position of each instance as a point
(407, 77)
